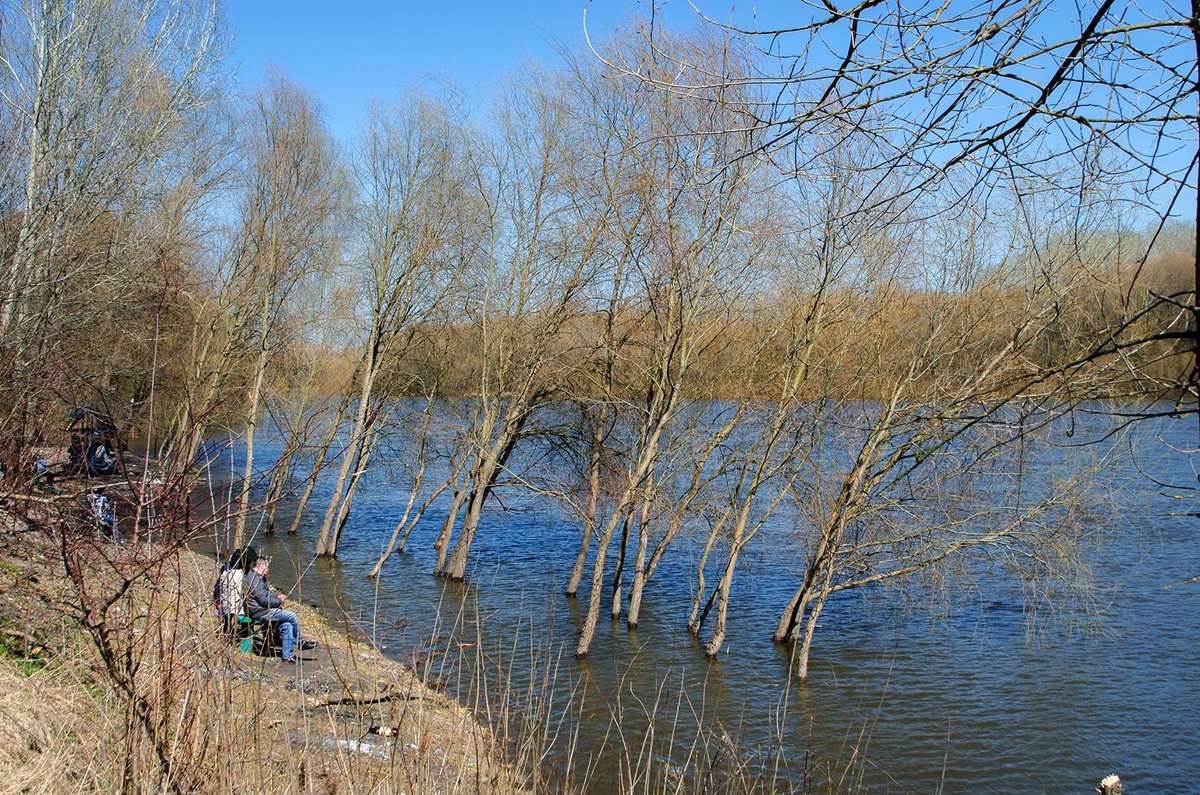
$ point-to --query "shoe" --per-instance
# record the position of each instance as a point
(308, 644)
(292, 660)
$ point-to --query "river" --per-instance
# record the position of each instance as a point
(992, 690)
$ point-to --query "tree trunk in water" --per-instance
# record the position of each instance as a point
(442, 544)
(808, 601)
(725, 586)
(640, 573)
(635, 596)
(713, 648)
(787, 630)
(695, 619)
(364, 456)
(349, 459)
(596, 595)
(788, 618)
(821, 567)
(243, 508)
(585, 543)
(275, 488)
(335, 499)
(484, 480)
(817, 604)
(803, 649)
(456, 567)
(294, 527)
(619, 572)
(589, 521)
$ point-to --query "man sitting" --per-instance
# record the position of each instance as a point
(262, 605)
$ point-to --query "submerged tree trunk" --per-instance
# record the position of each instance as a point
(243, 506)
(326, 542)
(442, 544)
(725, 585)
(640, 571)
(699, 612)
(360, 468)
(619, 571)
(456, 565)
(596, 594)
(813, 604)
(488, 468)
(585, 545)
(317, 466)
(595, 460)
(808, 601)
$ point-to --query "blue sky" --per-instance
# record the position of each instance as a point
(349, 52)
(352, 51)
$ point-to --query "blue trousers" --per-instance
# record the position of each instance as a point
(289, 629)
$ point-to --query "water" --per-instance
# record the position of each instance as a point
(979, 696)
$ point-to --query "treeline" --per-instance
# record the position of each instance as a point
(725, 362)
(610, 246)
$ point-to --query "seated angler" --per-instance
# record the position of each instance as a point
(262, 605)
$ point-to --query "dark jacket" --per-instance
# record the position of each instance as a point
(259, 598)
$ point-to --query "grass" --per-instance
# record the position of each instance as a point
(113, 678)
(16, 650)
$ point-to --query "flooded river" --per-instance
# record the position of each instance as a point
(994, 690)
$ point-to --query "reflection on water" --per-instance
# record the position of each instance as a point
(898, 699)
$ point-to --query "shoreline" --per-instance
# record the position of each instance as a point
(206, 717)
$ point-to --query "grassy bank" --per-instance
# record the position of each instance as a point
(113, 677)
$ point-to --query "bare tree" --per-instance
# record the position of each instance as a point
(95, 95)
(970, 96)
(419, 230)
(539, 259)
(688, 249)
(605, 123)
(960, 399)
(288, 209)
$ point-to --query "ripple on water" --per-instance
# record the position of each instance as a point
(965, 700)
